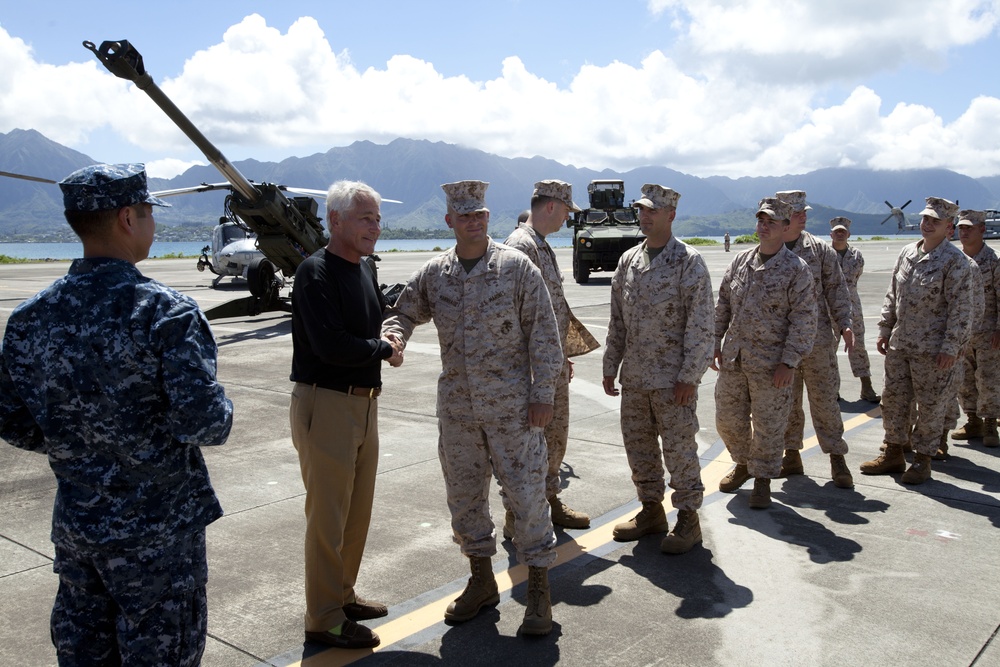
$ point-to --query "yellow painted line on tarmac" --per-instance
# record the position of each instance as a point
(432, 613)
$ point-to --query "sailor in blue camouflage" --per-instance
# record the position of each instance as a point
(660, 336)
(501, 358)
(765, 324)
(927, 318)
(112, 375)
(818, 372)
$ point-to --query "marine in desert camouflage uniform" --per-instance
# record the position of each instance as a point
(980, 390)
(551, 204)
(953, 411)
(819, 372)
(501, 359)
(660, 335)
(926, 321)
(765, 323)
(852, 263)
(112, 375)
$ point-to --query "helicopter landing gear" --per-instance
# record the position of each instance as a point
(263, 281)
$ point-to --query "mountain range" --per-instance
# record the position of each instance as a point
(413, 170)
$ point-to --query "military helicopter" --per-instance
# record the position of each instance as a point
(901, 223)
(287, 229)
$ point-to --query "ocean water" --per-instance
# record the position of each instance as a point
(44, 251)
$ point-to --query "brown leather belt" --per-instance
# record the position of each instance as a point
(370, 392)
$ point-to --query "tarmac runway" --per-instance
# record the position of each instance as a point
(878, 575)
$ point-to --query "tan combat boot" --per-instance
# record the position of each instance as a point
(942, 453)
(868, 391)
(840, 473)
(890, 460)
(481, 591)
(791, 463)
(760, 497)
(566, 517)
(508, 525)
(919, 472)
(736, 478)
(990, 437)
(973, 428)
(686, 533)
(538, 612)
(650, 519)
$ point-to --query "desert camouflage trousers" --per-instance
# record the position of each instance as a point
(858, 356)
(557, 434)
(647, 414)
(750, 416)
(471, 453)
(980, 391)
(821, 377)
(145, 606)
(916, 377)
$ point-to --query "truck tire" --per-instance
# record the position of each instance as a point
(581, 270)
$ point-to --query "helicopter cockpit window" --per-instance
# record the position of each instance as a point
(233, 233)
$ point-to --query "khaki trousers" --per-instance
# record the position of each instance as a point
(336, 436)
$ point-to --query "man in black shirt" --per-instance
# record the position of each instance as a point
(336, 367)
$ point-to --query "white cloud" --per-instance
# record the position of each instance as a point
(170, 167)
(823, 41)
(260, 88)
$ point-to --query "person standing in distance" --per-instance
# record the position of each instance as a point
(337, 355)
(852, 264)
(551, 204)
(501, 360)
(660, 335)
(113, 376)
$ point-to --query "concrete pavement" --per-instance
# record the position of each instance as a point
(881, 574)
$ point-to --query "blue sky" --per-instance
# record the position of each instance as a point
(702, 86)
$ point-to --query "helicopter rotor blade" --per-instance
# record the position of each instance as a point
(886, 219)
(321, 193)
(905, 205)
(27, 178)
(204, 187)
(888, 204)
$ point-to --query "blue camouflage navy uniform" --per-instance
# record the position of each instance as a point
(113, 376)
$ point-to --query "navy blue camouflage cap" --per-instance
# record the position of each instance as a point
(107, 187)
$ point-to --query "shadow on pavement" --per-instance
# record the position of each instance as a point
(846, 506)
(703, 588)
(781, 522)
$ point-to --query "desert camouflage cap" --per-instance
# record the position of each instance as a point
(794, 198)
(657, 196)
(466, 196)
(775, 208)
(840, 222)
(556, 189)
(970, 218)
(939, 208)
(107, 187)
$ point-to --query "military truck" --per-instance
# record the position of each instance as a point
(604, 231)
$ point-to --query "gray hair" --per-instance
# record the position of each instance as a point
(343, 195)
